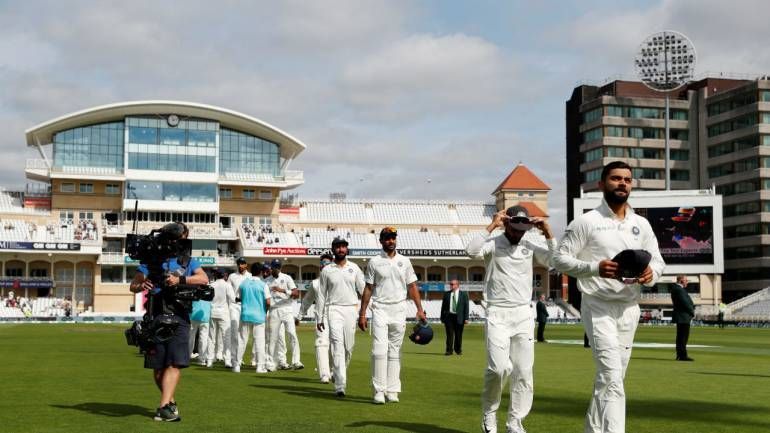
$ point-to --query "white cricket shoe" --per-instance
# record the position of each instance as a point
(236, 369)
(379, 398)
(325, 379)
(391, 397)
(489, 423)
(514, 426)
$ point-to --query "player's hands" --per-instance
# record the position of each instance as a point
(147, 285)
(320, 326)
(542, 225)
(465, 323)
(498, 219)
(646, 276)
(295, 293)
(296, 321)
(608, 269)
(362, 322)
(421, 317)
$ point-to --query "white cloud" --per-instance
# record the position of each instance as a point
(425, 74)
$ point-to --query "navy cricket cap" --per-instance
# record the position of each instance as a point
(339, 241)
(519, 218)
(240, 261)
(421, 334)
(265, 265)
(388, 232)
(275, 264)
(631, 263)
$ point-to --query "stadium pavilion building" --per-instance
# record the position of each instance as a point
(222, 173)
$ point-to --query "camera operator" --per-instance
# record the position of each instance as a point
(169, 357)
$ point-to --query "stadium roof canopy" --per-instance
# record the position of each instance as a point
(42, 134)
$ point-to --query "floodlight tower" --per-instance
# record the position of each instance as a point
(665, 62)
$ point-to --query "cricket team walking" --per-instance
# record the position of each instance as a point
(611, 251)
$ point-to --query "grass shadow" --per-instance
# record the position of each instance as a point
(731, 374)
(321, 394)
(670, 410)
(405, 426)
(113, 410)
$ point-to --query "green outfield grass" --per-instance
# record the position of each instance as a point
(83, 378)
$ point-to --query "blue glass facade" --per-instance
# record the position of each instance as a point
(90, 146)
(242, 153)
(171, 191)
(190, 146)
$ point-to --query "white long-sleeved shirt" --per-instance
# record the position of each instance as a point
(224, 295)
(389, 278)
(235, 280)
(599, 235)
(281, 299)
(338, 285)
(508, 280)
(309, 298)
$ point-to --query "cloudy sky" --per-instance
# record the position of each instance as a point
(394, 99)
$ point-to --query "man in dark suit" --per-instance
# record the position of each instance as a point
(684, 310)
(542, 317)
(454, 316)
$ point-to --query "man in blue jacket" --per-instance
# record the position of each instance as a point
(255, 301)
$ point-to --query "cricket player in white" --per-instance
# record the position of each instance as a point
(235, 280)
(389, 278)
(610, 307)
(224, 295)
(282, 313)
(321, 334)
(509, 329)
(341, 283)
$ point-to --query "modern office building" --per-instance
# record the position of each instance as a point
(719, 136)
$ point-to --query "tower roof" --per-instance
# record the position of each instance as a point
(522, 178)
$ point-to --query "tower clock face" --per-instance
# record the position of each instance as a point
(172, 120)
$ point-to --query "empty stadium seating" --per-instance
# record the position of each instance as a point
(396, 212)
(55, 231)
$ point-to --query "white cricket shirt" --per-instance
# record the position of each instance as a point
(508, 279)
(285, 282)
(600, 235)
(389, 278)
(339, 285)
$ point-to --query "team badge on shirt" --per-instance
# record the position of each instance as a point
(635, 230)
(350, 270)
(524, 251)
(400, 264)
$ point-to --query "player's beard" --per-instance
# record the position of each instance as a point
(613, 198)
(340, 257)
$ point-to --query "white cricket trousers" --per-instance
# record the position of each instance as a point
(388, 326)
(219, 347)
(510, 342)
(610, 327)
(257, 330)
(281, 343)
(283, 316)
(322, 350)
(235, 321)
(203, 339)
(342, 332)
